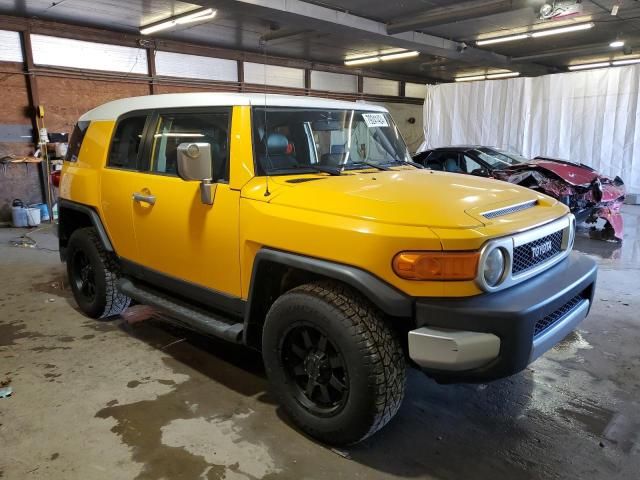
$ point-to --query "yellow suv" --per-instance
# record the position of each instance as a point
(300, 227)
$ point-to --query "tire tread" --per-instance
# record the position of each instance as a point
(377, 343)
(115, 301)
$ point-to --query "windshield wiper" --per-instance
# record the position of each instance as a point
(407, 162)
(385, 166)
(369, 164)
(324, 169)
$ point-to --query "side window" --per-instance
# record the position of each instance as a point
(126, 143)
(175, 128)
(471, 164)
(75, 143)
(436, 160)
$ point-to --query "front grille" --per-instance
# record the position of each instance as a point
(513, 209)
(536, 252)
(554, 317)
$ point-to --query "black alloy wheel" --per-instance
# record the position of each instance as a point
(316, 368)
(83, 275)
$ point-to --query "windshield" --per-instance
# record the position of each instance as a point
(500, 158)
(299, 140)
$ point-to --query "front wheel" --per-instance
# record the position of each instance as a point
(334, 364)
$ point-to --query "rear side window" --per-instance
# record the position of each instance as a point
(77, 136)
(125, 147)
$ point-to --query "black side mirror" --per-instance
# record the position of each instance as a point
(480, 172)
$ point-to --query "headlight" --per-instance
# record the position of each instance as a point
(494, 265)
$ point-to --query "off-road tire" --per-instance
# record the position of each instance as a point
(108, 301)
(373, 356)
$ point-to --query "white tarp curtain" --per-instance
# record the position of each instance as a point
(591, 117)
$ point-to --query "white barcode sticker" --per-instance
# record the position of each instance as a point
(375, 120)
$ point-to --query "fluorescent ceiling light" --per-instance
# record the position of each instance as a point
(508, 38)
(361, 61)
(396, 56)
(626, 62)
(205, 14)
(586, 66)
(556, 31)
(617, 43)
(375, 53)
(197, 16)
(470, 79)
(536, 34)
(502, 75)
(376, 57)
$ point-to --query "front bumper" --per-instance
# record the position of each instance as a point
(495, 335)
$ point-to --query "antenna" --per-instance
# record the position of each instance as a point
(265, 139)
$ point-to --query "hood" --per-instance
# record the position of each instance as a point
(572, 173)
(403, 197)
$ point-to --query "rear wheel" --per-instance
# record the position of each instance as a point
(336, 367)
(93, 273)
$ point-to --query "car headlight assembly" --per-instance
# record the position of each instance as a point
(494, 267)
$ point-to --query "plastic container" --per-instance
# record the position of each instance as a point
(33, 216)
(19, 217)
(44, 211)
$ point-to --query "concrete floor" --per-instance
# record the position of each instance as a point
(105, 400)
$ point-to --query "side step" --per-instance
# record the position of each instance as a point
(196, 318)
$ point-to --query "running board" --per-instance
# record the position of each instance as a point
(203, 321)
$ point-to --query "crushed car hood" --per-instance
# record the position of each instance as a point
(406, 197)
(571, 173)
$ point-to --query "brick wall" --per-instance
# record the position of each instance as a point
(16, 181)
(64, 100)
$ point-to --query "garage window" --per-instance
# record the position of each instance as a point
(174, 129)
(67, 52)
(125, 148)
(10, 47)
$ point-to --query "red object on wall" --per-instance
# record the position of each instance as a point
(55, 178)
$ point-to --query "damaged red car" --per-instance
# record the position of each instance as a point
(589, 195)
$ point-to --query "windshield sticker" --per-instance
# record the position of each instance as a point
(374, 120)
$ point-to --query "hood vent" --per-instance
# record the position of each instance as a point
(508, 210)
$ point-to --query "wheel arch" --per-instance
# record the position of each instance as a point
(276, 272)
(72, 216)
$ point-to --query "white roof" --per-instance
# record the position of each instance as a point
(112, 110)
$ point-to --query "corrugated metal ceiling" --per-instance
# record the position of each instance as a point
(240, 27)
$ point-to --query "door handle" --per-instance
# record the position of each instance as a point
(142, 198)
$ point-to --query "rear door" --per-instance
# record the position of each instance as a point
(181, 240)
(120, 178)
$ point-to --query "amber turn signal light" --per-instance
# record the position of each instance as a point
(436, 265)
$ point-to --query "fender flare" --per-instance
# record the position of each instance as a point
(93, 216)
(386, 297)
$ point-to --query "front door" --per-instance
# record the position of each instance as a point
(177, 235)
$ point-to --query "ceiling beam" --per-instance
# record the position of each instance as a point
(320, 18)
(456, 13)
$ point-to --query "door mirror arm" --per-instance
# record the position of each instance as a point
(207, 191)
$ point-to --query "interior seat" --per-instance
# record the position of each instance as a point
(274, 153)
(451, 165)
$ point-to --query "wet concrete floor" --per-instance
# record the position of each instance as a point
(107, 400)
